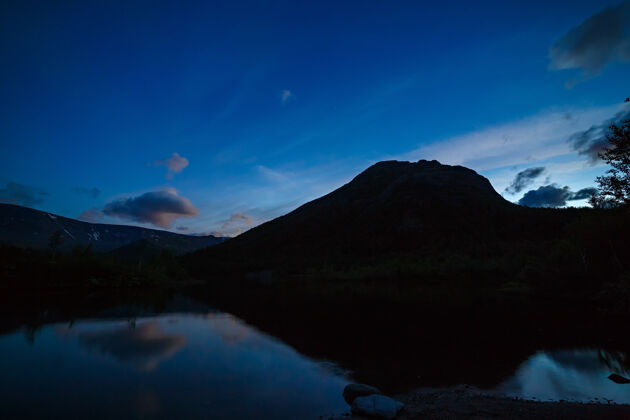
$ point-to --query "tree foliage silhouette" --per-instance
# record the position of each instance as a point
(614, 188)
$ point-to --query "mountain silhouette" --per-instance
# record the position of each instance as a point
(391, 208)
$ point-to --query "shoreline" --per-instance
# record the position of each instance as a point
(467, 402)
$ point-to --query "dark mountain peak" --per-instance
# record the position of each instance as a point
(431, 171)
(422, 164)
(412, 182)
(390, 207)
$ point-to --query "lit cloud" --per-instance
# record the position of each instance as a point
(235, 225)
(160, 208)
(175, 164)
(597, 42)
(23, 195)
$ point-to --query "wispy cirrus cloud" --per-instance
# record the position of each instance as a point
(520, 142)
(160, 208)
(564, 141)
(175, 164)
(268, 192)
(597, 42)
(271, 174)
(24, 195)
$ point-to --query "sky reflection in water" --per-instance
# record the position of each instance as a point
(579, 375)
(212, 366)
(216, 366)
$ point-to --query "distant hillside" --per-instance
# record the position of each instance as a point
(29, 228)
(392, 209)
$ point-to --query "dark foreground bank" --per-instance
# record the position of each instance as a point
(464, 402)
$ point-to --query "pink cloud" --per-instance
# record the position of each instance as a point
(160, 208)
(175, 164)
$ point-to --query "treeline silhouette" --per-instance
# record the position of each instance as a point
(537, 253)
(31, 268)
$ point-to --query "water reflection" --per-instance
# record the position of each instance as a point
(210, 365)
(143, 346)
(579, 375)
(173, 357)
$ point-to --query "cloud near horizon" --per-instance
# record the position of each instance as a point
(92, 215)
(235, 225)
(524, 179)
(160, 208)
(175, 164)
(22, 195)
(584, 194)
(595, 43)
(554, 196)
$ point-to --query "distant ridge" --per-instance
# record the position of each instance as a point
(29, 228)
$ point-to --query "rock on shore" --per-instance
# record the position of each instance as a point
(376, 406)
(352, 391)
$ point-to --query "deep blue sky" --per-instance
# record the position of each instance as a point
(276, 104)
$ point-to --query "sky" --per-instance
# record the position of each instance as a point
(213, 117)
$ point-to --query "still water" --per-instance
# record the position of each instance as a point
(211, 364)
(176, 365)
(574, 375)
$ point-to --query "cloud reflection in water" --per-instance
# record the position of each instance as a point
(143, 346)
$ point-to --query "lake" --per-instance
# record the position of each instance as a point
(572, 375)
(167, 366)
(183, 358)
